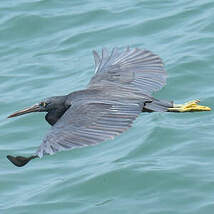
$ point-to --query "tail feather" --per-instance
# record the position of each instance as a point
(158, 106)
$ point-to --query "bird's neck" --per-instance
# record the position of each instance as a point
(54, 115)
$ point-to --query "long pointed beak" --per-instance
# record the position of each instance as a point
(34, 108)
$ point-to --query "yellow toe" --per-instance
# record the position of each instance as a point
(189, 106)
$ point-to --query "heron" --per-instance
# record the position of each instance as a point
(120, 90)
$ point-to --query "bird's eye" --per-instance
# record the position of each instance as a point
(43, 104)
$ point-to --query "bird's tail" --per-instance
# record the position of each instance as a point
(157, 106)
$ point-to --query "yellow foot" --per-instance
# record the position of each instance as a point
(189, 106)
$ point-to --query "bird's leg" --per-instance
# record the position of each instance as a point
(189, 106)
(20, 160)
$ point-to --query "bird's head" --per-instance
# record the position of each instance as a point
(46, 105)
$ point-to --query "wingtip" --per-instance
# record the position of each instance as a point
(20, 161)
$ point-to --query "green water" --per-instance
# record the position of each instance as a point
(164, 164)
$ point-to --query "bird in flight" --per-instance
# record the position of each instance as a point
(119, 91)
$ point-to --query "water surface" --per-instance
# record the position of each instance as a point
(164, 164)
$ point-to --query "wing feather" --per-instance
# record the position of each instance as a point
(122, 84)
(88, 123)
(140, 70)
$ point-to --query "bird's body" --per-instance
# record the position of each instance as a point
(120, 90)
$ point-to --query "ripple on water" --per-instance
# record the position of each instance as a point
(161, 165)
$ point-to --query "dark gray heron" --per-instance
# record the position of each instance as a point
(119, 91)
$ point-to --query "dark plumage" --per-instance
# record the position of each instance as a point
(119, 91)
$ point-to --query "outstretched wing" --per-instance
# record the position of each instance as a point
(114, 98)
(88, 123)
(133, 69)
